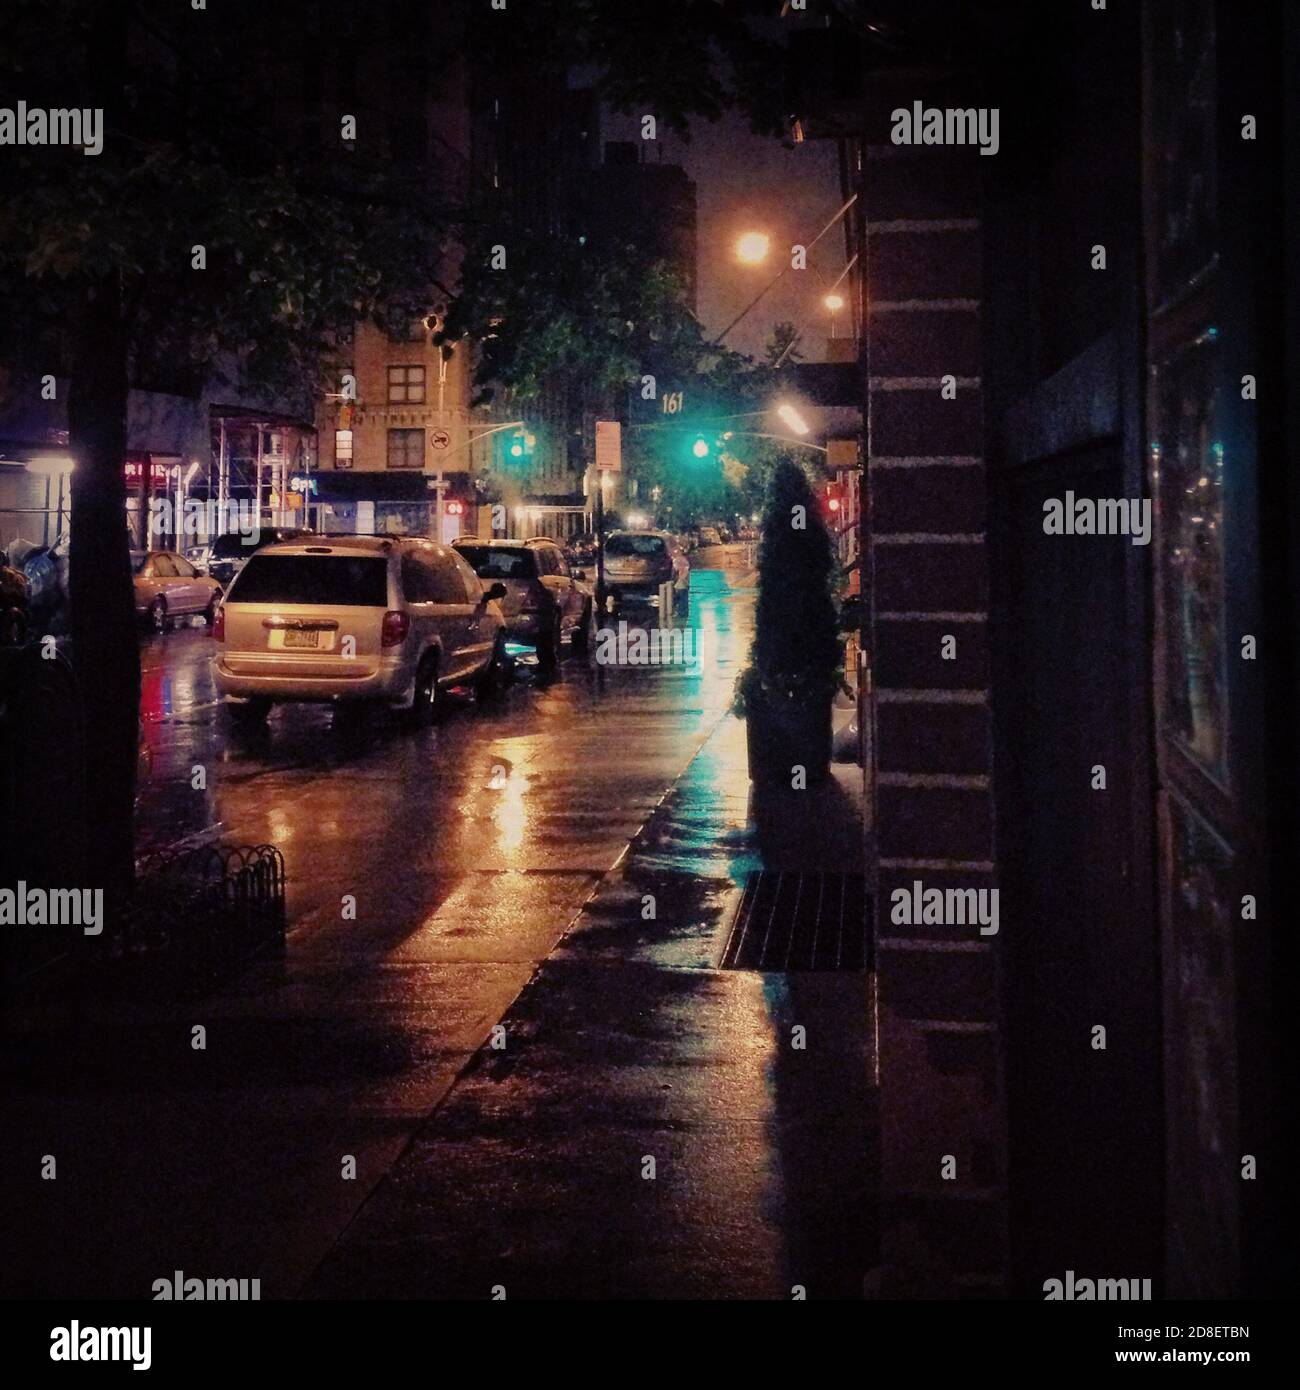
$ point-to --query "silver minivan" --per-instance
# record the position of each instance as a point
(358, 618)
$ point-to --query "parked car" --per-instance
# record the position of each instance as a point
(638, 562)
(200, 556)
(231, 552)
(167, 586)
(582, 550)
(709, 536)
(358, 619)
(546, 601)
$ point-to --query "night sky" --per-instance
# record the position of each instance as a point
(744, 182)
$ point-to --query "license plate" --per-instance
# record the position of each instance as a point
(295, 638)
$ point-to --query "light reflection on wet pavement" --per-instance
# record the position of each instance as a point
(471, 850)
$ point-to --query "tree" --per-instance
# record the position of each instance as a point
(676, 59)
(540, 306)
(794, 619)
(199, 233)
(782, 345)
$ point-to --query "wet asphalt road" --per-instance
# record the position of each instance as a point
(469, 849)
(556, 777)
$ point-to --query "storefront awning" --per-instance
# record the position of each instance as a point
(336, 485)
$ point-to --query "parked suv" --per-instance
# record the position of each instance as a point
(358, 618)
(546, 601)
(638, 562)
(231, 552)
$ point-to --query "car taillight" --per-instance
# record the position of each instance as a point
(396, 626)
(219, 623)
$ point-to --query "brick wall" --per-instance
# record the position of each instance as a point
(940, 1051)
(373, 354)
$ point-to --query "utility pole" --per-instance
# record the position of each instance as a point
(600, 540)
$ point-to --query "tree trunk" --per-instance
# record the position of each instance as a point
(105, 642)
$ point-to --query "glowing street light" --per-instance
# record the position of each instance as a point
(792, 418)
(51, 465)
(834, 302)
(752, 248)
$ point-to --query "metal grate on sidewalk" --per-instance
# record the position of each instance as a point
(794, 921)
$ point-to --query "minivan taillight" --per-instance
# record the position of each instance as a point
(219, 623)
(396, 626)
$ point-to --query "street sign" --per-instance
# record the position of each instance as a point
(842, 453)
(440, 439)
(609, 446)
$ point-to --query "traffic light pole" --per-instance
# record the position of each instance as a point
(600, 541)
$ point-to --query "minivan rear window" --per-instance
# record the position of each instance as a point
(499, 562)
(350, 581)
(634, 545)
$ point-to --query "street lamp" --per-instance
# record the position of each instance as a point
(791, 417)
(834, 302)
(752, 248)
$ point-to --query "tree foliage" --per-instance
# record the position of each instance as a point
(203, 231)
(674, 59)
(295, 246)
(545, 306)
(795, 639)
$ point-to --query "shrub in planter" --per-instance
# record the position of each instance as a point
(785, 692)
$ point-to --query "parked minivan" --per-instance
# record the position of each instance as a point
(358, 618)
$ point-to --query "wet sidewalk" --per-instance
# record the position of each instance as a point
(651, 1126)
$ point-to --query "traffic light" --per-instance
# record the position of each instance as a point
(701, 447)
(833, 499)
(522, 444)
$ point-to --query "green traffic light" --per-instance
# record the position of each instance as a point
(700, 449)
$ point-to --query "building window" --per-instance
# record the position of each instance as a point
(342, 448)
(406, 385)
(406, 448)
